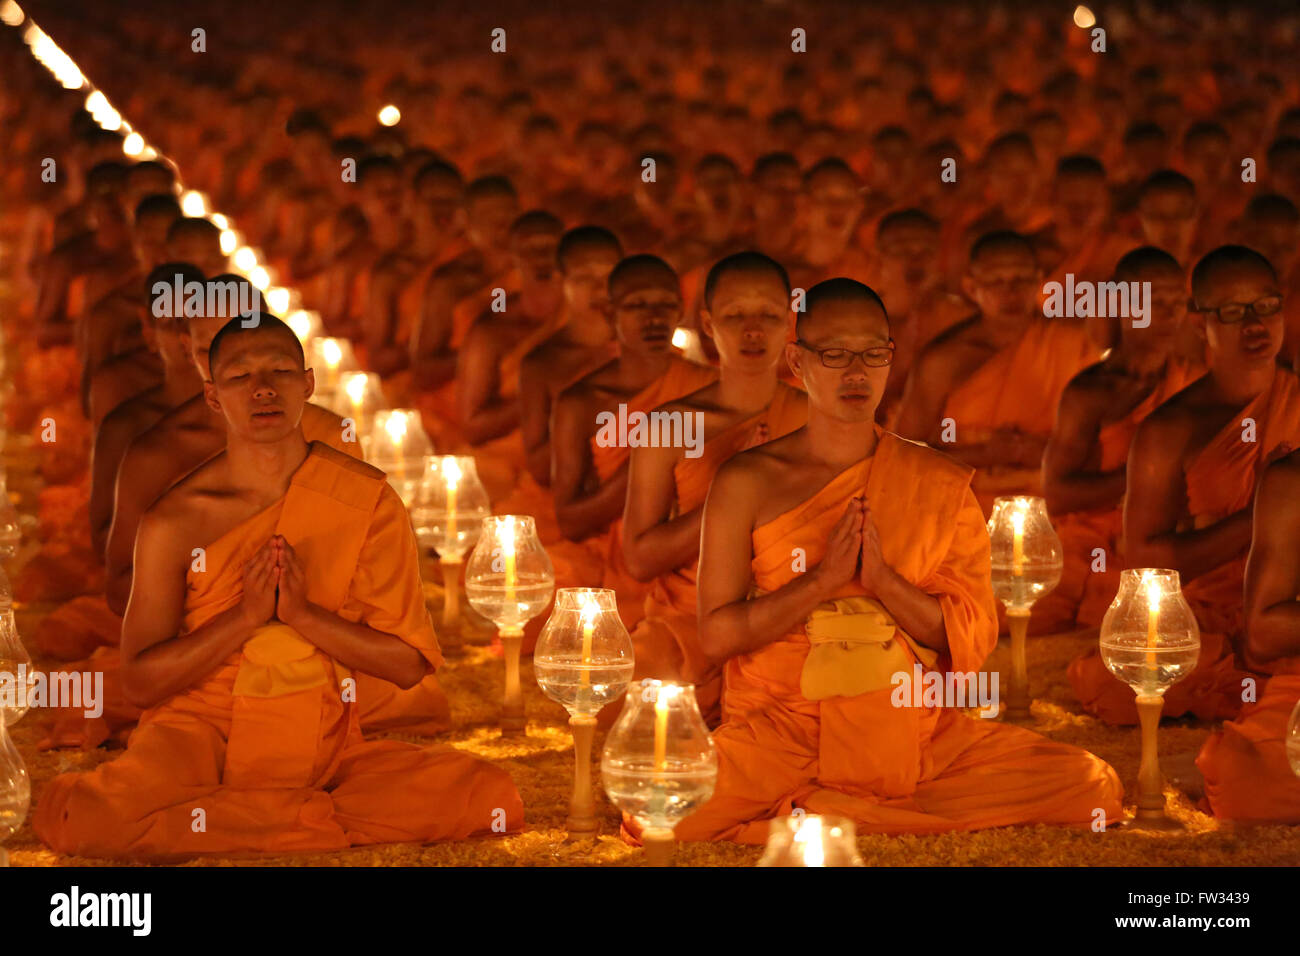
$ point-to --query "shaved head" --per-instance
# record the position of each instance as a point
(642, 272)
(262, 324)
(1226, 264)
(743, 263)
(835, 295)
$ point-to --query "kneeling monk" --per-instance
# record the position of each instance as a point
(898, 575)
(1247, 776)
(245, 663)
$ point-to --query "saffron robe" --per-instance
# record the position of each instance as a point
(1019, 387)
(1220, 482)
(891, 769)
(1084, 594)
(666, 641)
(1247, 774)
(266, 745)
(682, 378)
(422, 709)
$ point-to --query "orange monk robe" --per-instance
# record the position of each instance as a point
(892, 769)
(682, 378)
(1019, 387)
(268, 745)
(666, 642)
(1247, 774)
(90, 626)
(1084, 594)
(1220, 482)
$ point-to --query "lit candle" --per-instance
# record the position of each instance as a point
(395, 425)
(356, 389)
(810, 835)
(661, 731)
(1153, 619)
(508, 546)
(332, 353)
(451, 469)
(1018, 544)
(589, 611)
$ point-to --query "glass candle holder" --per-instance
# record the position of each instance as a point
(397, 444)
(1027, 561)
(11, 532)
(809, 839)
(509, 580)
(15, 790)
(448, 516)
(583, 661)
(306, 325)
(659, 763)
(329, 358)
(1150, 641)
(358, 397)
(16, 675)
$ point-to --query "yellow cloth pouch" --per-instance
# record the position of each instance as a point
(278, 661)
(856, 648)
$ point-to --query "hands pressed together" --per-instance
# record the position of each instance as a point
(853, 549)
(275, 585)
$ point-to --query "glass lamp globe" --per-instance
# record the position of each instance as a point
(808, 839)
(329, 358)
(450, 506)
(11, 534)
(16, 674)
(397, 444)
(15, 790)
(583, 658)
(659, 763)
(359, 396)
(1149, 636)
(1026, 553)
(509, 578)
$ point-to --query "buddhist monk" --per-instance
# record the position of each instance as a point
(1167, 212)
(866, 556)
(245, 668)
(747, 315)
(830, 206)
(589, 456)
(85, 623)
(1248, 777)
(1192, 470)
(1084, 464)
(986, 390)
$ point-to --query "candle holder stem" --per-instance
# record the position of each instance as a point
(1017, 708)
(659, 844)
(513, 722)
(582, 807)
(451, 637)
(1151, 789)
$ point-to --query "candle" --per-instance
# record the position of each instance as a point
(332, 352)
(589, 611)
(451, 469)
(1018, 544)
(395, 425)
(661, 731)
(810, 835)
(508, 546)
(1153, 619)
(356, 389)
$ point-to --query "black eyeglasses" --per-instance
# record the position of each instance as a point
(1233, 312)
(874, 357)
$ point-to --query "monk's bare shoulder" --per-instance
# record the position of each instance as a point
(928, 460)
(1174, 424)
(958, 348)
(1281, 481)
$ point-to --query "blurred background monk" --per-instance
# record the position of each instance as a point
(1192, 471)
(1084, 472)
(245, 667)
(865, 555)
(589, 476)
(1247, 774)
(747, 315)
(987, 389)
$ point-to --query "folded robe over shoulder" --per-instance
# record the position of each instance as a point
(666, 642)
(891, 769)
(1019, 387)
(1220, 482)
(268, 746)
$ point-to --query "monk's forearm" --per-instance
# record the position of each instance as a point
(665, 547)
(1193, 553)
(582, 516)
(360, 647)
(745, 626)
(117, 589)
(1084, 491)
(172, 666)
(918, 614)
(539, 463)
(1273, 633)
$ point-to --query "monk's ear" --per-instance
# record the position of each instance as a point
(794, 359)
(210, 396)
(309, 378)
(706, 322)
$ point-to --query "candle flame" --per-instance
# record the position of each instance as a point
(1018, 521)
(390, 115)
(680, 338)
(395, 425)
(259, 278)
(451, 471)
(229, 241)
(133, 145)
(278, 299)
(300, 322)
(810, 835)
(1152, 584)
(245, 259)
(356, 387)
(194, 204)
(333, 355)
(590, 610)
(11, 14)
(507, 526)
(1083, 17)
